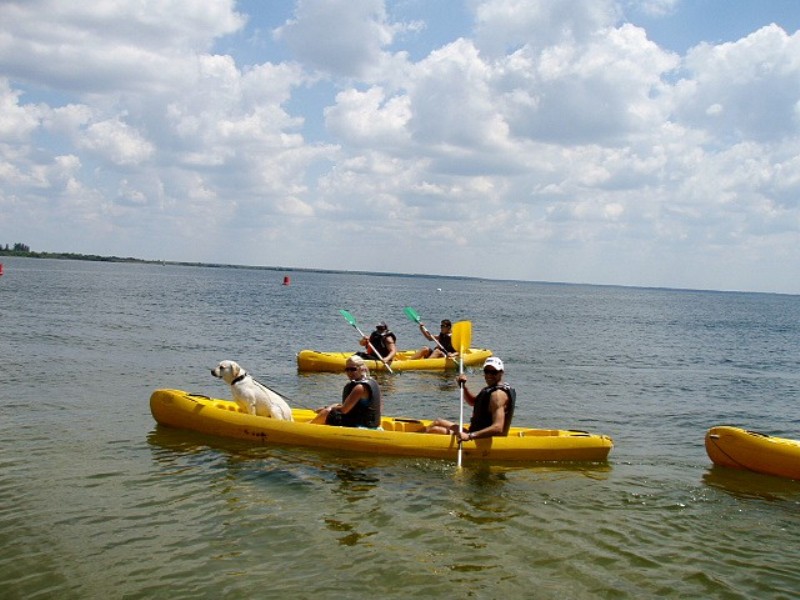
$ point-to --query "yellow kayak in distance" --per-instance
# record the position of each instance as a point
(398, 436)
(313, 360)
(739, 448)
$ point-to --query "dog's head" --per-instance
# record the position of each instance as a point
(227, 370)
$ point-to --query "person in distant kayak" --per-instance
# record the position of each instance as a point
(382, 341)
(492, 407)
(361, 400)
(444, 339)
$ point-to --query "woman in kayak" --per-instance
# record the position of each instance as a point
(361, 400)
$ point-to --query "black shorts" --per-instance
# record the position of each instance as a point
(335, 417)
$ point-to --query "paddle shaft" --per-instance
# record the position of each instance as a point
(462, 336)
(461, 411)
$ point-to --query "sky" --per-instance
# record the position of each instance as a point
(645, 143)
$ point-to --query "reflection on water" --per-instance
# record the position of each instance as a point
(745, 484)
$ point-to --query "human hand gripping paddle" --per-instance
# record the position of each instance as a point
(462, 338)
(414, 316)
(352, 320)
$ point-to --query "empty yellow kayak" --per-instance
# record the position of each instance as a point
(312, 360)
(752, 451)
(399, 436)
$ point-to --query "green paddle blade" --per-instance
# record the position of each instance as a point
(350, 318)
(462, 336)
(411, 314)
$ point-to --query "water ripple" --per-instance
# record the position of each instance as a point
(96, 501)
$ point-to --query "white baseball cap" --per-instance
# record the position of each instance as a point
(494, 362)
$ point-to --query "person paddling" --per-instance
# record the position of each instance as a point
(493, 406)
(444, 342)
(382, 341)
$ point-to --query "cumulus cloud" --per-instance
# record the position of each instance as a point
(369, 118)
(748, 89)
(560, 128)
(598, 91)
(502, 26)
(16, 121)
(117, 142)
(109, 45)
(341, 37)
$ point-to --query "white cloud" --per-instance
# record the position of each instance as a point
(16, 121)
(502, 26)
(605, 87)
(369, 118)
(554, 129)
(341, 37)
(117, 142)
(746, 89)
(109, 46)
(451, 100)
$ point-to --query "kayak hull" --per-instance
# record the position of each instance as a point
(399, 437)
(313, 360)
(739, 448)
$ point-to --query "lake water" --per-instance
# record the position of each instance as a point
(99, 502)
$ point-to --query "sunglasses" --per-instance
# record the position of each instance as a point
(490, 372)
(351, 369)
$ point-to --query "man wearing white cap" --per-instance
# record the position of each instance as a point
(492, 407)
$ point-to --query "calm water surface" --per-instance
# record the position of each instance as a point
(98, 502)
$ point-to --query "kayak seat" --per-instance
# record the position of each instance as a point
(401, 425)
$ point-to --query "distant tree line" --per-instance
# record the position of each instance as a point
(20, 249)
(16, 249)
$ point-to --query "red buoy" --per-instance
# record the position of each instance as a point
(286, 280)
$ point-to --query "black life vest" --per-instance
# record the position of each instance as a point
(378, 341)
(446, 340)
(367, 411)
(482, 416)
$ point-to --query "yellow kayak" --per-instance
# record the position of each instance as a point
(312, 360)
(399, 436)
(752, 451)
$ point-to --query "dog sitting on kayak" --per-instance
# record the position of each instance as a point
(252, 397)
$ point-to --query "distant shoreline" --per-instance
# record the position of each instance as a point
(130, 259)
(74, 256)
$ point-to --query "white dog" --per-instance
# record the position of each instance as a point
(253, 397)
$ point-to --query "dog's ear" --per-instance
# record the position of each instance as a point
(235, 369)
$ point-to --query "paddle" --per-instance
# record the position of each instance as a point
(462, 338)
(414, 316)
(352, 320)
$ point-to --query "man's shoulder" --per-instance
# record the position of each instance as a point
(502, 387)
